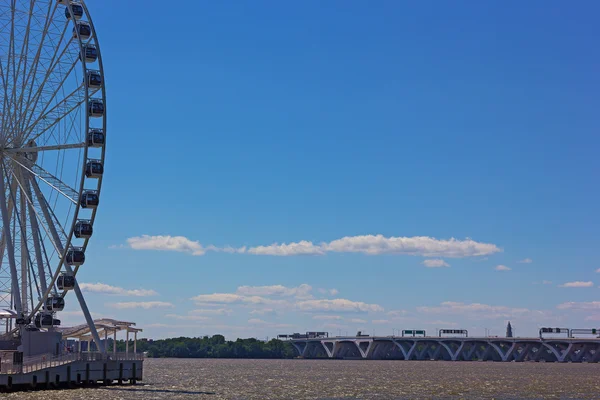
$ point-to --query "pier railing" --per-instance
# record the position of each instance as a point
(39, 362)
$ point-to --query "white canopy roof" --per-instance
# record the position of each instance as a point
(104, 324)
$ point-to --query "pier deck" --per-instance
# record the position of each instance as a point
(71, 370)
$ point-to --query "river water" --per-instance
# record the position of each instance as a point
(343, 379)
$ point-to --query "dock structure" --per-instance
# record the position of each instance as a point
(450, 348)
(70, 370)
(65, 357)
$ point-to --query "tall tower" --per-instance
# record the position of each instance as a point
(509, 332)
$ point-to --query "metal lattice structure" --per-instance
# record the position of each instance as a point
(451, 349)
(52, 147)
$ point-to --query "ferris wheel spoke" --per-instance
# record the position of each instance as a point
(51, 118)
(35, 203)
(6, 72)
(29, 275)
(56, 231)
(5, 285)
(38, 56)
(12, 185)
(11, 55)
(49, 88)
(30, 40)
(36, 234)
(55, 88)
(35, 276)
(21, 217)
(55, 66)
(38, 149)
(37, 239)
(51, 226)
(9, 242)
(4, 98)
(51, 180)
(22, 66)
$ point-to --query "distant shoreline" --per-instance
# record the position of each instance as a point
(213, 347)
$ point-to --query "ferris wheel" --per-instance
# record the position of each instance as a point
(52, 146)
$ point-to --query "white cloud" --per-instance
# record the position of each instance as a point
(187, 317)
(232, 298)
(327, 317)
(257, 321)
(380, 321)
(525, 261)
(336, 326)
(598, 270)
(107, 289)
(339, 305)
(225, 298)
(166, 243)
(141, 304)
(332, 292)
(577, 284)
(358, 321)
(397, 313)
(546, 282)
(226, 249)
(302, 291)
(263, 311)
(584, 306)
(292, 249)
(478, 310)
(441, 323)
(593, 317)
(416, 246)
(502, 268)
(366, 244)
(218, 311)
(435, 263)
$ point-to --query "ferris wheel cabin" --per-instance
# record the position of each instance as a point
(77, 11)
(90, 53)
(83, 229)
(75, 257)
(65, 282)
(55, 304)
(89, 199)
(94, 169)
(96, 138)
(96, 108)
(44, 320)
(85, 30)
(94, 79)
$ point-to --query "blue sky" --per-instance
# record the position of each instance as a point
(235, 125)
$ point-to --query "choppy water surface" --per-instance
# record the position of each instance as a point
(341, 379)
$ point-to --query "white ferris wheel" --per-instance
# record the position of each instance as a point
(52, 145)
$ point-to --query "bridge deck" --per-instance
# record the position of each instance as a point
(451, 348)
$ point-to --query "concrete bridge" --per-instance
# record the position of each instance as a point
(450, 348)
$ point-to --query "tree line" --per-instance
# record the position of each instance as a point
(211, 347)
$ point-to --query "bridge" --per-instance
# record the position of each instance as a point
(450, 348)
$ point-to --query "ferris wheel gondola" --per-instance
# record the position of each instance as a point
(52, 148)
